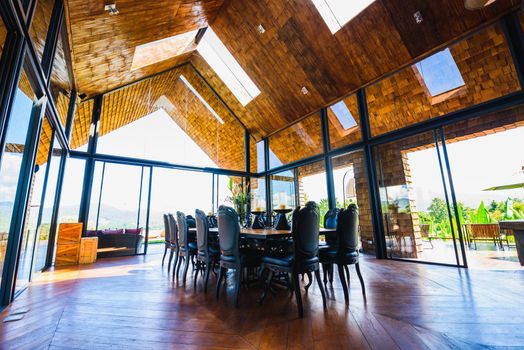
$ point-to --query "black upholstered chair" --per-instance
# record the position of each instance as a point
(231, 256)
(330, 221)
(345, 252)
(175, 248)
(304, 259)
(187, 249)
(208, 253)
(167, 238)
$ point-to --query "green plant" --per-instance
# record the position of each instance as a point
(239, 197)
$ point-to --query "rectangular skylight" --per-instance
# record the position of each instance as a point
(440, 73)
(227, 68)
(209, 108)
(163, 49)
(343, 114)
(336, 13)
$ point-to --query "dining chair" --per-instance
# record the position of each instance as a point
(231, 256)
(208, 253)
(330, 221)
(345, 252)
(304, 258)
(175, 248)
(187, 249)
(167, 238)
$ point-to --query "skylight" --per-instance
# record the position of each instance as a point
(163, 49)
(188, 84)
(227, 68)
(336, 13)
(440, 73)
(343, 115)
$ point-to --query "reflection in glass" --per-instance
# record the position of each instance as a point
(283, 192)
(298, 141)
(61, 82)
(258, 194)
(31, 228)
(42, 240)
(465, 74)
(40, 25)
(343, 122)
(173, 117)
(416, 213)
(10, 166)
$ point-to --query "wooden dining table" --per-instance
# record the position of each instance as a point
(264, 233)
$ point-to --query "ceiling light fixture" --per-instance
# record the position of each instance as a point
(111, 9)
(477, 4)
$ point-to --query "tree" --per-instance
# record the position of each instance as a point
(438, 210)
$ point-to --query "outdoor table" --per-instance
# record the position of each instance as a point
(518, 228)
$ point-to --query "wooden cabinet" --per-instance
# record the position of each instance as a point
(88, 249)
(68, 244)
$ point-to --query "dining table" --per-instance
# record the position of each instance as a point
(264, 233)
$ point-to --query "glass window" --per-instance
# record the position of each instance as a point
(439, 73)
(173, 117)
(343, 122)
(177, 190)
(46, 211)
(404, 98)
(283, 188)
(31, 228)
(82, 125)
(40, 25)
(227, 68)
(61, 82)
(71, 190)
(258, 194)
(336, 13)
(312, 186)
(10, 166)
(298, 141)
(117, 204)
(351, 186)
(257, 154)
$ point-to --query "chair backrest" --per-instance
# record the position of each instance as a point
(182, 229)
(228, 231)
(173, 228)
(167, 229)
(330, 219)
(483, 231)
(347, 229)
(202, 227)
(305, 231)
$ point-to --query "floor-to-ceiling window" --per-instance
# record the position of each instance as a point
(11, 162)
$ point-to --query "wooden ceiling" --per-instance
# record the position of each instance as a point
(103, 45)
(296, 50)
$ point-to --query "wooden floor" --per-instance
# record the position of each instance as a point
(130, 303)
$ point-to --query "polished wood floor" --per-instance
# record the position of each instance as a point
(130, 303)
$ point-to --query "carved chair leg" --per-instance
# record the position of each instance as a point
(267, 287)
(165, 253)
(219, 282)
(343, 282)
(186, 267)
(238, 274)
(171, 253)
(206, 276)
(357, 266)
(317, 277)
(182, 258)
(296, 286)
(195, 275)
(310, 281)
(175, 264)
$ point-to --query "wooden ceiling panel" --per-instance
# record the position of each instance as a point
(103, 45)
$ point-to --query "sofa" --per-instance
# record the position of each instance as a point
(117, 242)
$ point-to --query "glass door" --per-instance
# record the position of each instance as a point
(417, 200)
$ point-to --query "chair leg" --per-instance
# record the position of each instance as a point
(206, 276)
(347, 275)
(219, 281)
(182, 258)
(175, 264)
(357, 266)
(165, 252)
(266, 289)
(296, 286)
(171, 253)
(186, 267)
(310, 281)
(317, 277)
(195, 275)
(325, 268)
(342, 277)
(238, 275)
(331, 273)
